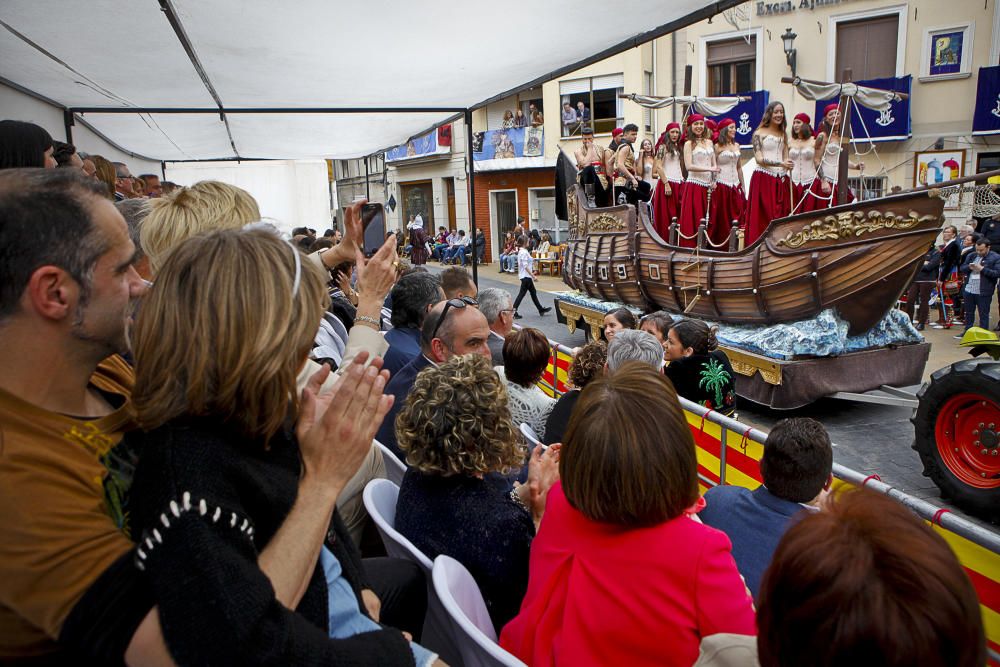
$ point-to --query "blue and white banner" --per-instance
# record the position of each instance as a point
(422, 146)
(747, 115)
(893, 124)
(986, 119)
(506, 144)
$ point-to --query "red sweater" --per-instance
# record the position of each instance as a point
(600, 594)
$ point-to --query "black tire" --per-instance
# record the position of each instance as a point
(973, 377)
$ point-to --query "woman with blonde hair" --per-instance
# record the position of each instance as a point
(224, 484)
(455, 499)
(105, 174)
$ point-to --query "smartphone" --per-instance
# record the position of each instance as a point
(373, 228)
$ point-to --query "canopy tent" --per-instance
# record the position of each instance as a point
(199, 79)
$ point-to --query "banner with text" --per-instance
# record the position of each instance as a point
(433, 143)
(893, 124)
(747, 115)
(510, 143)
(986, 119)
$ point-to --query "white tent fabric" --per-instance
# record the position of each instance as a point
(709, 106)
(310, 53)
(873, 98)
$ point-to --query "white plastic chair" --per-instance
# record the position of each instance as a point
(530, 435)
(380, 496)
(394, 468)
(470, 622)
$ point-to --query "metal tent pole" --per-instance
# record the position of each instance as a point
(470, 167)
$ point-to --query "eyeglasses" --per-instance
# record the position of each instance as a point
(458, 303)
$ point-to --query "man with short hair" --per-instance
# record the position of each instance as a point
(634, 345)
(460, 249)
(981, 270)
(448, 330)
(123, 182)
(569, 119)
(583, 113)
(629, 186)
(456, 283)
(153, 187)
(497, 307)
(412, 297)
(797, 468)
(135, 211)
(592, 162)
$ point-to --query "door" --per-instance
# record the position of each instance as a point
(505, 208)
(449, 184)
(418, 199)
(547, 221)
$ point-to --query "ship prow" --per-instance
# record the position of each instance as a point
(856, 258)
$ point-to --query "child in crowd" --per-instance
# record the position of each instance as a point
(699, 370)
(658, 324)
(616, 320)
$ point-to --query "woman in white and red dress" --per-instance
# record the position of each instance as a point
(769, 195)
(699, 158)
(802, 153)
(668, 169)
(823, 193)
(728, 199)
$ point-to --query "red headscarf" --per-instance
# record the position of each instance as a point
(724, 123)
(663, 137)
(804, 117)
(829, 108)
(694, 118)
(617, 132)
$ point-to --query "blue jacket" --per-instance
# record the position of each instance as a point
(404, 346)
(400, 385)
(990, 273)
(754, 521)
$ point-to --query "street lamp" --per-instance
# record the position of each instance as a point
(788, 39)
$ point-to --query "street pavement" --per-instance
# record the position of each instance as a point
(869, 438)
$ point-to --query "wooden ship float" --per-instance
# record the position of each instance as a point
(857, 259)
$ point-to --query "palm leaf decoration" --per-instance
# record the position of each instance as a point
(714, 379)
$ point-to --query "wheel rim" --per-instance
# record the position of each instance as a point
(968, 439)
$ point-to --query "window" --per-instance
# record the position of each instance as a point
(867, 187)
(647, 89)
(600, 99)
(867, 47)
(732, 66)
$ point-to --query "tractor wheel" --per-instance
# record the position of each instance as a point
(957, 434)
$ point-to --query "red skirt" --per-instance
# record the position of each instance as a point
(799, 191)
(817, 200)
(728, 204)
(666, 207)
(767, 201)
(694, 207)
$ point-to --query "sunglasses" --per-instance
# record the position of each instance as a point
(459, 303)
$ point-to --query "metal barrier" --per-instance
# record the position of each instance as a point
(977, 548)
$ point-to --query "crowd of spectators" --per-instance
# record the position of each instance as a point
(180, 476)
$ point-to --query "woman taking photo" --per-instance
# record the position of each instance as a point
(728, 199)
(802, 153)
(620, 574)
(699, 157)
(455, 498)
(222, 469)
(668, 169)
(769, 195)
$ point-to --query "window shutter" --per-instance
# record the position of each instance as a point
(731, 50)
(867, 47)
(574, 87)
(607, 81)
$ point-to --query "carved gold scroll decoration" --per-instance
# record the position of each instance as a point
(852, 224)
(606, 222)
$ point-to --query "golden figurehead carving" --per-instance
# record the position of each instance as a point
(852, 224)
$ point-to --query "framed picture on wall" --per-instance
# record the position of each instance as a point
(947, 52)
(933, 167)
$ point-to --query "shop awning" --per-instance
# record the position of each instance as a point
(211, 79)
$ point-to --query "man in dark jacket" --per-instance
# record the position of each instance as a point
(951, 255)
(922, 285)
(981, 270)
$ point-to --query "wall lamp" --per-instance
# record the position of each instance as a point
(788, 39)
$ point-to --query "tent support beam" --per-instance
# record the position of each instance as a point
(168, 9)
(471, 167)
(68, 123)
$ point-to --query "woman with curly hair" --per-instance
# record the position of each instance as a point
(460, 443)
(587, 365)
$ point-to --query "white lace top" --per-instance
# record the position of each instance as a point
(529, 405)
(701, 157)
(830, 163)
(729, 161)
(773, 152)
(804, 170)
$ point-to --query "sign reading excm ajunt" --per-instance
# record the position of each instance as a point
(775, 8)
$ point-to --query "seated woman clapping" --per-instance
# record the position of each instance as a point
(455, 498)
(620, 574)
(238, 479)
(526, 353)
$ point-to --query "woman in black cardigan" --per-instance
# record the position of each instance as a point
(226, 495)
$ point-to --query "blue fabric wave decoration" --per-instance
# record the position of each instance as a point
(824, 335)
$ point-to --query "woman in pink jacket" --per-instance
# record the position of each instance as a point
(621, 573)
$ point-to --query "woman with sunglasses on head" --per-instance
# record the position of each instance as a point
(234, 495)
(526, 272)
